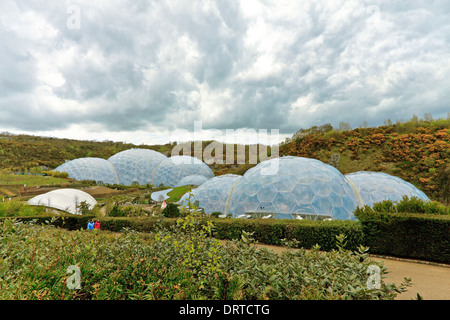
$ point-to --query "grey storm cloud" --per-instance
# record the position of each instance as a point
(136, 65)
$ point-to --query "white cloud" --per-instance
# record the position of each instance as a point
(139, 70)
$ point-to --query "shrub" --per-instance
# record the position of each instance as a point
(410, 205)
(307, 233)
(182, 262)
(408, 235)
(116, 211)
(171, 211)
(16, 208)
(84, 208)
(216, 214)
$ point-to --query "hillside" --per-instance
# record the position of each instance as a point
(25, 152)
(20, 152)
(417, 151)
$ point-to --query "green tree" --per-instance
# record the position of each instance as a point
(171, 211)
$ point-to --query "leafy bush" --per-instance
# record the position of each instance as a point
(84, 208)
(408, 235)
(16, 208)
(116, 211)
(182, 262)
(407, 205)
(307, 233)
(171, 211)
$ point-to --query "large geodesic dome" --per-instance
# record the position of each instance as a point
(294, 186)
(213, 195)
(379, 186)
(136, 165)
(171, 170)
(64, 199)
(193, 180)
(97, 169)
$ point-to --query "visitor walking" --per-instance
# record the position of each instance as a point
(97, 225)
(90, 225)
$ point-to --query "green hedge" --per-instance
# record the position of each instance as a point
(307, 233)
(418, 236)
(408, 235)
(66, 222)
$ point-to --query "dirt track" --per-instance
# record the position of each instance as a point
(431, 281)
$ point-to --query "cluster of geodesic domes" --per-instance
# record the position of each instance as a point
(284, 188)
(136, 166)
(296, 187)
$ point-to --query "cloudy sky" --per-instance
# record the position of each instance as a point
(144, 71)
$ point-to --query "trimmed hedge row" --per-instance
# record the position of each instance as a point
(408, 235)
(113, 224)
(307, 233)
(417, 236)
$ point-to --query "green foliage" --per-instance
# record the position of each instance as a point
(116, 211)
(171, 211)
(16, 208)
(215, 214)
(25, 151)
(84, 208)
(305, 233)
(57, 174)
(406, 205)
(176, 194)
(388, 230)
(180, 262)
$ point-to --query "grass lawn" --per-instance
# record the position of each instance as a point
(30, 180)
(178, 192)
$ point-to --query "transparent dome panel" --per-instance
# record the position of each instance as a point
(292, 186)
(213, 195)
(96, 169)
(379, 186)
(171, 170)
(136, 165)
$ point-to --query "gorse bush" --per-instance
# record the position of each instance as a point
(181, 261)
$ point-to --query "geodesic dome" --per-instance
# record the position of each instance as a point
(96, 169)
(379, 186)
(136, 165)
(64, 199)
(171, 170)
(214, 194)
(293, 186)
(193, 180)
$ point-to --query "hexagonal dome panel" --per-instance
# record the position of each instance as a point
(136, 165)
(171, 170)
(96, 169)
(292, 186)
(379, 186)
(213, 195)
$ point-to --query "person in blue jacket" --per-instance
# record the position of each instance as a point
(90, 225)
